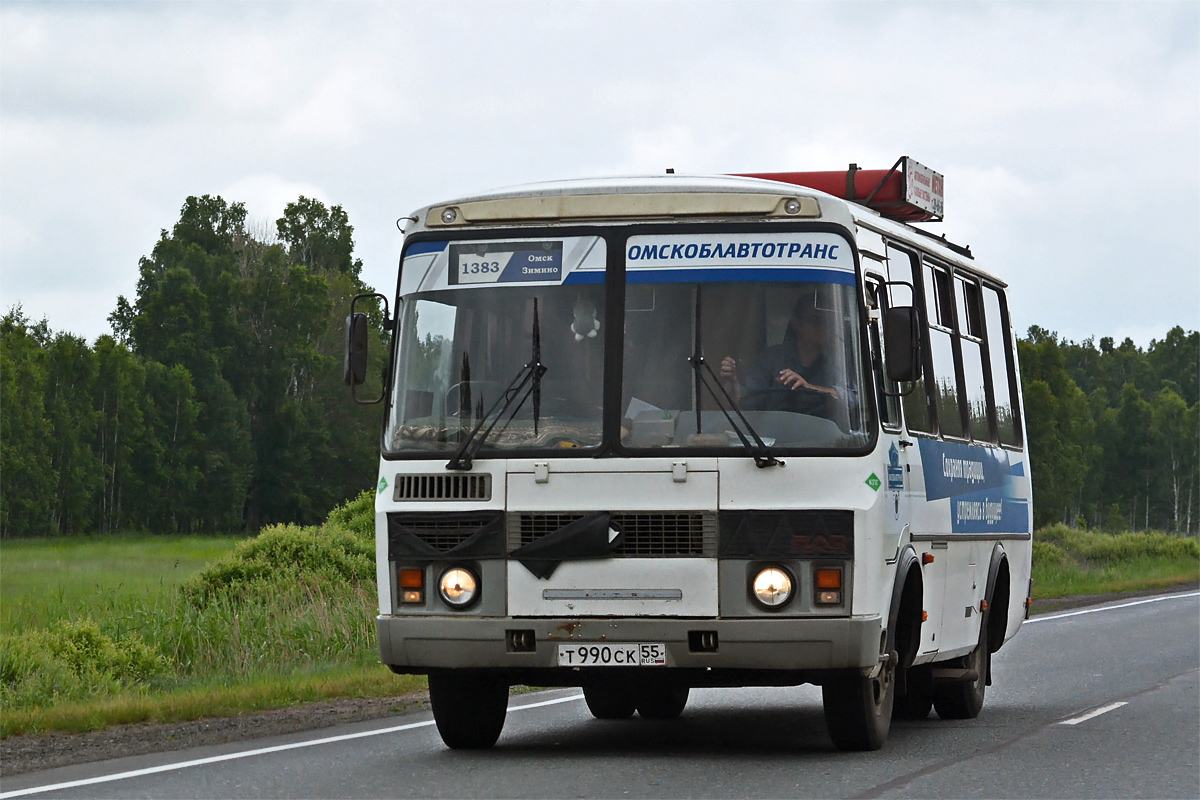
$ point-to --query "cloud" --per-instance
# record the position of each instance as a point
(1066, 131)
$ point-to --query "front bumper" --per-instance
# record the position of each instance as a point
(419, 644)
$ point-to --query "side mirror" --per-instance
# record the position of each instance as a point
(902, 338)
(358, 332)
(355, 363)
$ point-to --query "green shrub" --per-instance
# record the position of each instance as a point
(1091, 547)
(286, 553)
(1048, 553)
(356, 516)
(73, 660)
(271, 626)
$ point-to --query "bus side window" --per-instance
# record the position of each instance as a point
(886, 390)
(970, 342)
(903, 267)
(940, 309)
(1000, 361)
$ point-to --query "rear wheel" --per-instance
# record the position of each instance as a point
(914, 694)
(609, 700)
(469, 708)
(858, 709)
(964, 699)
(661, 700)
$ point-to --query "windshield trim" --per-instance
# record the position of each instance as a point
(615, 238)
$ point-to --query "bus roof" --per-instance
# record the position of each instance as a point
(668, 196)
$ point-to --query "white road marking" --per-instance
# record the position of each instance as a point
(248, 753)
(1111, 608)
(1095, 712)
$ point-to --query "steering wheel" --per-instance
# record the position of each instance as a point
(802, 400)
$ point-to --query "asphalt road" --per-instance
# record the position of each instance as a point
(1096, 702)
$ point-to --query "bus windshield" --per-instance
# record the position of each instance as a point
(726, 338)
(787, 355)
(461, 349)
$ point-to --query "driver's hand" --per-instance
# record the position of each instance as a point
(728, 369)
(792, 380)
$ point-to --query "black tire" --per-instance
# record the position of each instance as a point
(609, 700)
(914, 694)
(858, 710)
(661, 700)
(963, 700)
(469, 708)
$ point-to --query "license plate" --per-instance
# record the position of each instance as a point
(611, 654)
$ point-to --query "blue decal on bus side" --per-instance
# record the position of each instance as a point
(980, 484)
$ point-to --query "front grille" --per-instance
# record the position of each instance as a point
(443, 487)
(442, 531)
(647, 534)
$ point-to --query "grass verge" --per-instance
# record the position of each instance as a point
(209, 700)
(287, 617)
(1076, 562)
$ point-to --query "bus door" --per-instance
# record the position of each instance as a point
(926, 525)
(897, 513)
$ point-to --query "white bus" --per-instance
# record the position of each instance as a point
(650, 434)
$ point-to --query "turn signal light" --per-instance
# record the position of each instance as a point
(927, 558)
(828, 582)
(412, 586)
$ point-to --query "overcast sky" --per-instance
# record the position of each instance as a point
(1068, 134)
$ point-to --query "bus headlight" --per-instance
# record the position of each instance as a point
(772, 587)
(459, 587)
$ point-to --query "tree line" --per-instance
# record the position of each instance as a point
(1114, 430)
(217, 404)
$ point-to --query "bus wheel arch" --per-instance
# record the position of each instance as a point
(906, 612)
(913, 693)
(997, 594)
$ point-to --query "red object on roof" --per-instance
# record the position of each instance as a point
(908, 192)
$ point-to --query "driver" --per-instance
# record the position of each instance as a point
(799, 363)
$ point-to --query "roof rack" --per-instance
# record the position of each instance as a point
(962, 249)
(908, 192)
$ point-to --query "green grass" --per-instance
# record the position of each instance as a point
(1073, 562)
(211, 699)
(46, 580)
(98, 632)
(103, 631)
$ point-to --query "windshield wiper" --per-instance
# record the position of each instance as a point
(530, 375)
(758, 450)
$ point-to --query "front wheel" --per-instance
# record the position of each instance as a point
(661, 700)
(609, 700)
(468, 708)
(858, 709)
